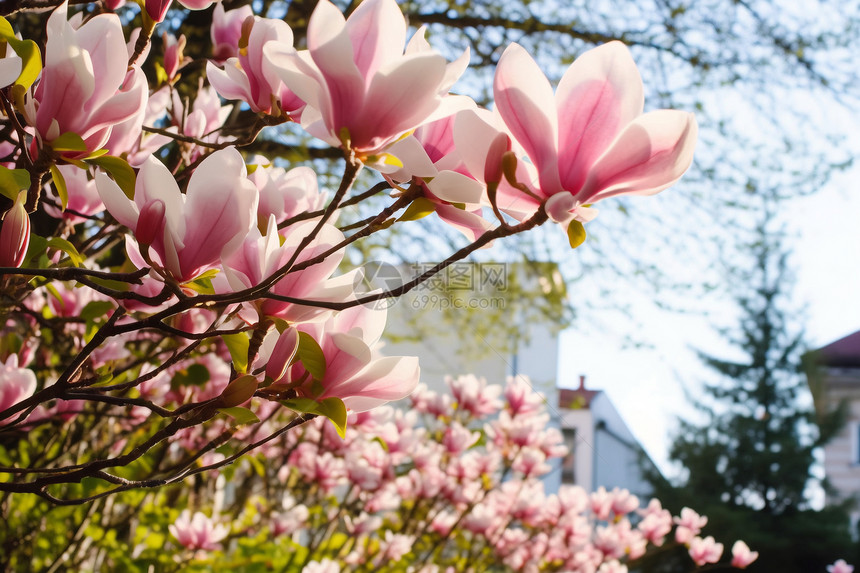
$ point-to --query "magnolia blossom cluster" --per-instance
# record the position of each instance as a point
(245, 257)
(450, 476)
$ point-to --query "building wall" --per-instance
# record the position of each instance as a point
(842, 454)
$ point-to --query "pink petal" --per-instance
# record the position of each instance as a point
(650, 154)
(377, 31)
(599, 95)
(526, 103)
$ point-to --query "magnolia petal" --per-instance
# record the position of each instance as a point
(414, 158)
(330, 48)
(598, 96)
(470, 223)
(402, 96)
(377, 31)
(456, 188)
(526, 103)
(10, 69)
(231, 83)
(650, 155)
(155, 182)
(117, 204)
(386, 379)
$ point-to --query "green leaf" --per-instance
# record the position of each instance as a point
(301, 405)
(13, 181)
(68, 248)
(238, 344)
(418, 209)
(69, 141)
(60, 184)
(334, 409)
(119, 169)
(311, 356)
(575, 234)
(37, 249)
(28, 51)
(194, 375)
(96, 309)
(242, 416)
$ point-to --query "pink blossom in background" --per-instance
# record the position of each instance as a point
(83, 196)
(690, 524)
(284, 193)
(85, 87)
(742, 557)
(16, 384)
(190, 232)
(840, 567)
(357, 80)
(227, 29)
(474, 396)
(249, 77)
(197, 532)
(705, 550)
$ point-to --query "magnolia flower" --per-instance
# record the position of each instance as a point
(588, 141)
(15, 233)
(742, 557)
(227, 29)
(361, 89)
(690, 524)
(249, 76)
(16, 384)
(705, 550)
(197, 532)
(83, 196)
(188, 233)
(283, 193)
(85, 87)
(840, 567)
(354, 371)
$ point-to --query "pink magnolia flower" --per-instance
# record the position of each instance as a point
(15, 233)
(430, 156)
(742, 557)
(203, 121)
(283, 193)
(260, 256)
(16, 384)
(187, 233)
(84, 198)
(589, 140)
(840, 567)
(361, 88)
(354, 370)
(85, 86)
(227, 29)
(705, 550)
(250, 77)
(690, 524)
(197, 531)
(474, 395)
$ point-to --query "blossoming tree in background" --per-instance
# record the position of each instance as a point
(177, 314)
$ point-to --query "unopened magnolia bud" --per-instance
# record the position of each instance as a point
(509, 166)
(15, 234)
(238, 391)
(156, 9)
(150, 222)
(283, 353)
(495, 154)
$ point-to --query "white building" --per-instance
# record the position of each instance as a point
(603, 450)
(838, 381)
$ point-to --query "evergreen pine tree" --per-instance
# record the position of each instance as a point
(750, 466)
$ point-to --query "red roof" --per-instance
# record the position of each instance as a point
(576, 399)
(845, 352)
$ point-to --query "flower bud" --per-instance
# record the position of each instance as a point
(150, 222)
(156, 9)
(495, 154)
(238, 391)
(15, 234)
(284, 351)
